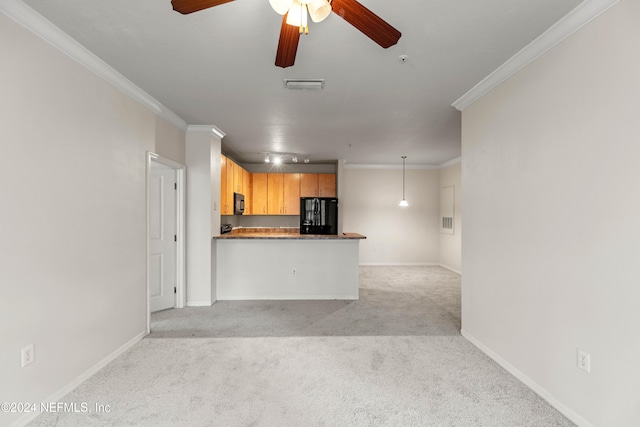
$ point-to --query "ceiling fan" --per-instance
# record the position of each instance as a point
(370, 24)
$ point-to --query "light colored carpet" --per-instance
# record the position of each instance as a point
(393, 358)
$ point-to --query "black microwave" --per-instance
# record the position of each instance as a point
(238, 204)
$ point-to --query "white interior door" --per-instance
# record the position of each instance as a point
(162, 237)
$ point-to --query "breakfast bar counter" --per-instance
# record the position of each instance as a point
(275, 233)
(280, 263)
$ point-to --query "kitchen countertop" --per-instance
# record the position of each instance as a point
(283, 233)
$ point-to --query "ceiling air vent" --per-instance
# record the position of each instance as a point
(304, 83)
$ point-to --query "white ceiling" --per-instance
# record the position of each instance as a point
(216, 67)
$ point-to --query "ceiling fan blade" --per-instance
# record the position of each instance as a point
(287, 45)
(190, 6)
(370, 24)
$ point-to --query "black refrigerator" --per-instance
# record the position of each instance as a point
(318, 215)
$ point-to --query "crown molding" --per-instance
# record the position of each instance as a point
(381, 166)
(206, 128)
(581, 15)
(422, 167)
(450, 163)
(40, 26)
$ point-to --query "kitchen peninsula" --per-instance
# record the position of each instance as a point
(280, 263)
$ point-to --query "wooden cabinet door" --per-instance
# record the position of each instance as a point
(308, 185)
(228, 208)
(223, 185)
(237, 178)
(246, 190)
(291, 194)
(275, 194)
(258, 194)
(226, 185)
(327, 185)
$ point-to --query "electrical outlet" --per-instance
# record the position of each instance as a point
(28, 355)
(293, 272)
(584, 361)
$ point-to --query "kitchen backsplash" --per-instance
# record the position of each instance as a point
(261, 220)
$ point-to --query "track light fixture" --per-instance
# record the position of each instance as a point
(278, 158)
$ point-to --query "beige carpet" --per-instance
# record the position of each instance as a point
(393, 358)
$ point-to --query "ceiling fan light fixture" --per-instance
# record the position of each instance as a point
(319, 10)
(297, 16)
(281, 6)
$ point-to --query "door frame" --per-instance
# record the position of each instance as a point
(180, 170)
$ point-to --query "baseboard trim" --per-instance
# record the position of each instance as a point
(199, 303)
(450, 269)
(285, 297)
(396, 264)
(537, 388)
(79, 380)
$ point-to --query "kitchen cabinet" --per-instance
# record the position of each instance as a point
(226, 186)
(275, 194)
(326, 185)
(308, 185)
(291, 194)
(317, 185)
(258, 194)
(270, 193)
(237, 178)
(246, 190)
(232, 180)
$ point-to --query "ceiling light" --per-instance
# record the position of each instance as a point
(403, 202)
(280, 158)
(297, 16)
(319, 10)
(304, 83)
(296, 11)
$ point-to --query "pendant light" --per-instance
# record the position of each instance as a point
(403, 202)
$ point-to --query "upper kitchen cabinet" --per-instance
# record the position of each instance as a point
(308, 185)
(317, 185)
(326, 185)
(275, 194)
(246, 190)
(232, 180)
(258, 194)
(237, 178)
(291, 194)
(226, 186)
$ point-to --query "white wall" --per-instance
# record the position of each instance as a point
(451, 244)
(203, 214)
(395, 235)
(170, 141)
(73, 247)
(552, 221)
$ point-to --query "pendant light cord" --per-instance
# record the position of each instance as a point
(403, 159)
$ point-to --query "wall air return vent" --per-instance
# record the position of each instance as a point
(447, 209)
